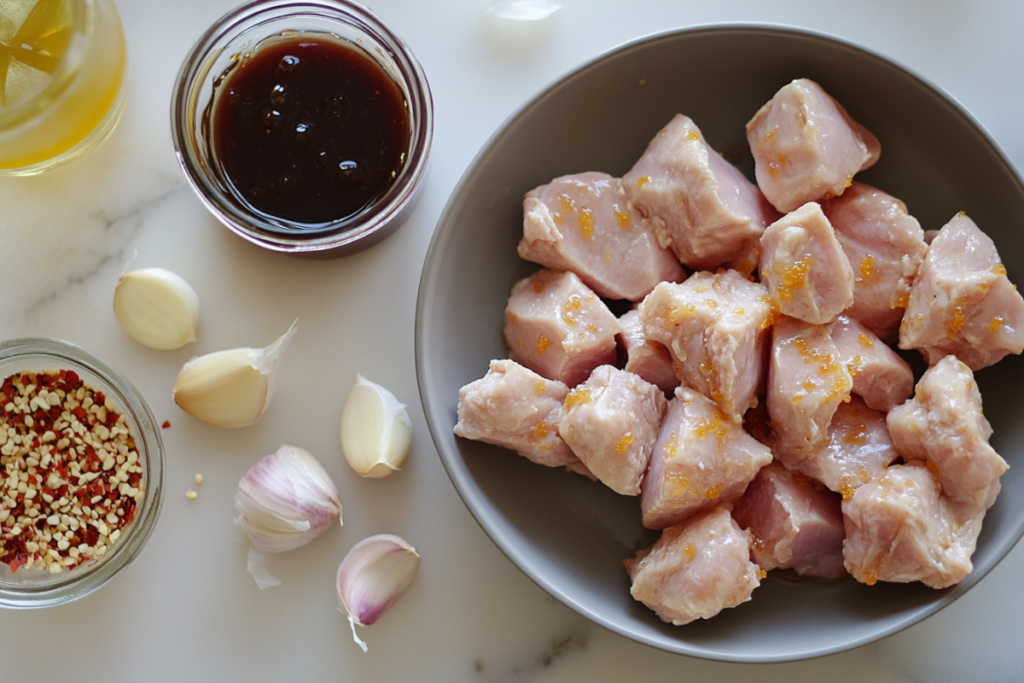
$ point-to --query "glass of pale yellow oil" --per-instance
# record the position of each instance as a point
(62, 80)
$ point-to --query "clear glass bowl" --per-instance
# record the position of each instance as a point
(80, 104)
(235, 37)
(37, 587)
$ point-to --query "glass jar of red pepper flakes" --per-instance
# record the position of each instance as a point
(81, 472)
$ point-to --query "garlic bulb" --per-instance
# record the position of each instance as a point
(230, 388)
(374, 574)
(376, 431)
(285, 501)
(157, 308)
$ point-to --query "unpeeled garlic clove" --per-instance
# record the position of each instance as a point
(231, 388)
(157, 308)
(374, 574)
(376, 431)
(284, 501)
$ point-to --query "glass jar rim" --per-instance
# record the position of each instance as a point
(83, 24)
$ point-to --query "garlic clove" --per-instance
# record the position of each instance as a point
(157, 308)
(374, 574)
(231, 388)
(376, 431)
(284, 501)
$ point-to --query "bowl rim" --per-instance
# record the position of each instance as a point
(150, 445)
(345, 235)
(437, 420)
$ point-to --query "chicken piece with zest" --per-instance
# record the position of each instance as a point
(962, 302)
(699, 204)
(695, 569)
(944, 425)
(583, 223)
(649, 359)
(715, 326)
(516, 408)
(701, 459)
(885, 246)
(611, 422)
(805, 270)
(806, 147)
(880, 376)
(796, 522)
(558, 327)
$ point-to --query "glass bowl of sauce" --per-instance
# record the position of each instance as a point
(304, 127)
(62, 80)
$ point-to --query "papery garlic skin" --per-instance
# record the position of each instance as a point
(157, 308)
(376, 431)
(231, 388)
(286, 500)
(374, 574)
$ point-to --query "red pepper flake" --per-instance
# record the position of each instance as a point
(166, 424)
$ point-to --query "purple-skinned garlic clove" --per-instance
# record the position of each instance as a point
(374, 574)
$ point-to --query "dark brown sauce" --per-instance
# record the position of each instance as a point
(310, 130)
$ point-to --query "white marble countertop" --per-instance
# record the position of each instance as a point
(187, 609)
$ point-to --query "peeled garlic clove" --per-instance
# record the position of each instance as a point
(230, 388)
(284, 501)
(374, 574)
(157, 308)
(376, 431)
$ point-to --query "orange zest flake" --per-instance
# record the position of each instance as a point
(793, 277)
(768, 136)
(624, 442)
(739, 311)
(622, 217)
(713, 492)
(541, 430)
(642, 180)
(711, 303)
(538, 287)
(607, 258)
(902, 300)
(865, 340)
(956, 322)
(577, 397)
(543, 344)
(867, 268)
(692, 135)
(566, 203)
(540, 386)
(571, 310)
(513, 318)
(587, 223)
(679, 483)
(999, 269)
(797, 398)
(870, 577)
(671, 447)
(995, 324)
(761, 573)
(858, 435)
(689, 550)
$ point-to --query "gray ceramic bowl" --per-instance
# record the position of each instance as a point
(570, 535)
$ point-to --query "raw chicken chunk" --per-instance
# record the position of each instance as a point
(885, 246)
(944, 425)
(714, 325)
(807, 381)
(516, 408)
(648, 359)
(880, 376)
(796, 522)
(900, 528)
(701, 459)
(695, 569)
(583, 223)
(806, 147)
(805, 270)
(556, 326)
(699, 204)
(961, 302)
(859, 446)
(611, 422)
